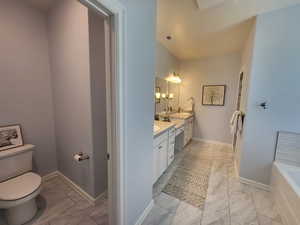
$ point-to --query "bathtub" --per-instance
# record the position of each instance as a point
(285, 187)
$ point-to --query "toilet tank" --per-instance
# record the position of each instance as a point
(15, 161)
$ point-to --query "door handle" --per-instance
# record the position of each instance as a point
(264, 105)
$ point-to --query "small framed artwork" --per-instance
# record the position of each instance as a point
(213, 95)
(10, 137)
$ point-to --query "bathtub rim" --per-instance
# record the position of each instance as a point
(282, 167)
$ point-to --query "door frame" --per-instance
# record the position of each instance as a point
(115, 106)
(241, 83)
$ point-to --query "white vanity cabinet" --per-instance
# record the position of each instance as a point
(160, 160)
(163, 152)
(171, 147)
(188, 130)
(160, 155)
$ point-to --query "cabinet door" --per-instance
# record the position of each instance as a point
(155, 164)
(171, 153)
(163, 157)
(190, 130)
(172, 136)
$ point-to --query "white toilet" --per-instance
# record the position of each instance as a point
(18, 185)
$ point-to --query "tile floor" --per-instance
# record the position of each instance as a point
(228, 202)
(60, 205)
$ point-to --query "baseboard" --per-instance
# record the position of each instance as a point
(49, 176)
(255, 184)
(236, 168)
(212, 142)
(75, 187)
(145, 213)
(78, 189)
(100, 197)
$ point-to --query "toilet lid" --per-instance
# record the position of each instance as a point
(19, 187)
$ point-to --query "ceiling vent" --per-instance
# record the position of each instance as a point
(206, 4)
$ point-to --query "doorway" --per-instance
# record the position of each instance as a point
(114, 13)
(57, 96)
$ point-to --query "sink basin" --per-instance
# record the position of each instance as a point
(186, 114)
(181, 115)
(156, 128)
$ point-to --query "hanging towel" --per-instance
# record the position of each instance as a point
(236, 122)
(240, 123)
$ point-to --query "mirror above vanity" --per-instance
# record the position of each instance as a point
(167, 96)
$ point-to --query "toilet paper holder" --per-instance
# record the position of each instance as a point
(80, 156)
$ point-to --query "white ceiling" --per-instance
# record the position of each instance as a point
(218, 30)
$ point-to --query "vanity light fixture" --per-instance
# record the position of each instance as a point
(157, 95)
(171, 96)
(174, 78)
(163, 95)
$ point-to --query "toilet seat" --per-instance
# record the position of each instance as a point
(19, 187)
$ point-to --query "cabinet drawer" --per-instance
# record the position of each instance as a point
(162, 146)
(160, 138)
(179, 131)
(170, 159)
(171, 140)
(186, 140)
(160, 158)
(171, 149)
(172, 131)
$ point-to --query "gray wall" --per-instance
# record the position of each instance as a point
(275, 78)
(211, 122)
(98, 94)
(166, 63)
(25, 85)
(246, 68)
(140, 45)
(69, 51)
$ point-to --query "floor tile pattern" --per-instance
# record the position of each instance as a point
(189, 182)
(59, 204)
(228, 202)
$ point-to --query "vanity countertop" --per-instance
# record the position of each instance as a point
(163, 126)
(182, 116)
(178, 123)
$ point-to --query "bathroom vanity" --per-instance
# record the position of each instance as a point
(169, 138)
(187, 119)
(163, 147)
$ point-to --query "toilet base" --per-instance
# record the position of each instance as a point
(22, 213)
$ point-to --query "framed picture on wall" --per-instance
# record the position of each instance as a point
(213, 95)
(10, 137)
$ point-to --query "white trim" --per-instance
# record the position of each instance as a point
(117, 168)
(237, 172)
(49, 176)
(94, 5)
(78, 189)
(212, 142)
(74, 186)
(255, 184)
(145, 213)
(100, 197)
